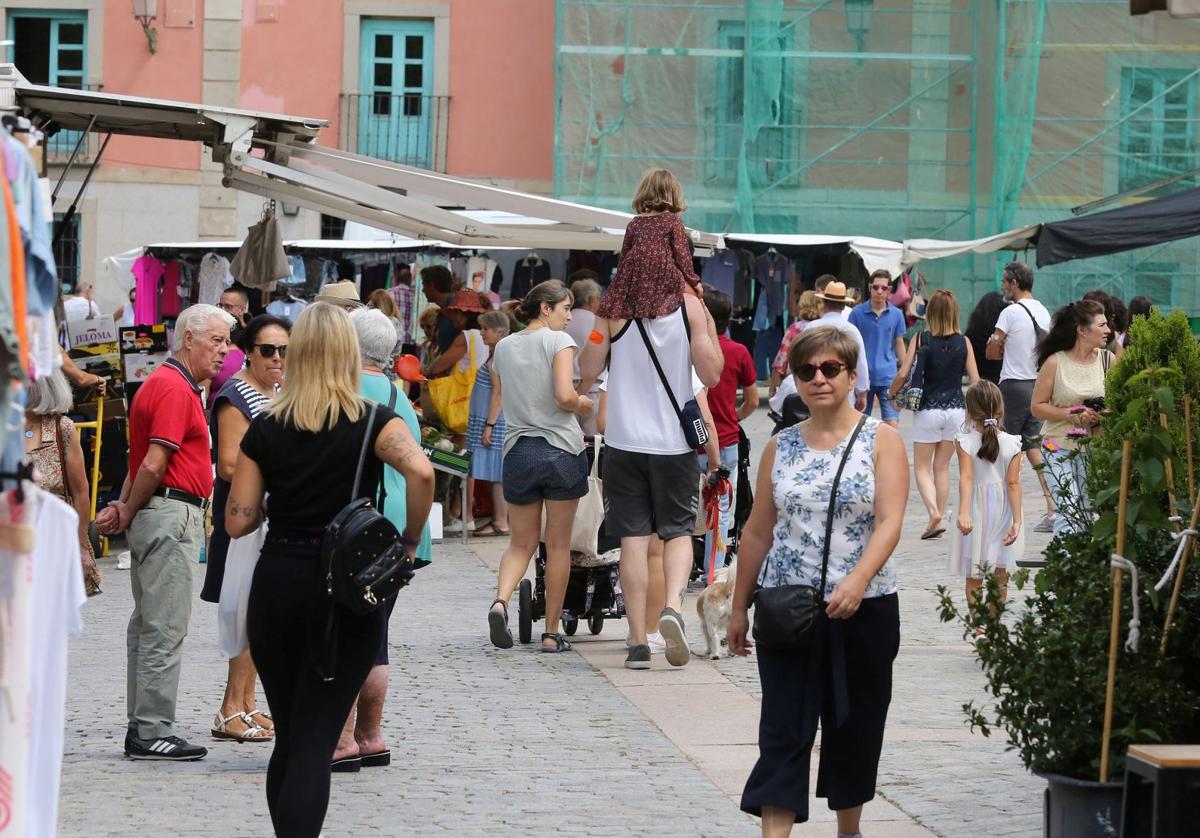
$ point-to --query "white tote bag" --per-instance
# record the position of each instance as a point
(589, 515)
(240, 562)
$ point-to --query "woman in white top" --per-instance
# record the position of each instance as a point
(1069, 396)
(845, 676)
(545, 467)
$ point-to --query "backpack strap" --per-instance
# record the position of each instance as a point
(362, 454)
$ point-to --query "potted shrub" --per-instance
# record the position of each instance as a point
(1046, 666)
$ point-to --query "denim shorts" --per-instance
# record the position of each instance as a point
(535, 470)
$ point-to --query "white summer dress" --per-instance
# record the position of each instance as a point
(991, 515)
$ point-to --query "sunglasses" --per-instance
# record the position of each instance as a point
(268, 350)
(880, 287)
(829, 369)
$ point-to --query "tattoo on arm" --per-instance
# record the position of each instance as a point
(246, 511)
(395, 450)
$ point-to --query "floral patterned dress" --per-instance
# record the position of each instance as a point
(47, 459)
(655, 262)
(801, 480)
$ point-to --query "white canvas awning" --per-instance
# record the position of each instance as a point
(918, 250)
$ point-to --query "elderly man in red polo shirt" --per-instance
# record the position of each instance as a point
(162, 506)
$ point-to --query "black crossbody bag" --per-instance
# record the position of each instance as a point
(365, 560)
(786, 617)
(690, 418)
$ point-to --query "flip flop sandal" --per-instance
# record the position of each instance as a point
(561, 644)
(377, 760)
(498, 626)
(932, 533)
(346, 765)
(487, 531)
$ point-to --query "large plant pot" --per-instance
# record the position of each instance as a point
(1081, 808)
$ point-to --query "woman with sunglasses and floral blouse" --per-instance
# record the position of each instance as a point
(264, 341)
(844, 678)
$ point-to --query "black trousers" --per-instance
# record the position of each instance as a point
(284, 620)
(852, 709)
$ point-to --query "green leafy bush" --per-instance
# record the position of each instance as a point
(1046, 669)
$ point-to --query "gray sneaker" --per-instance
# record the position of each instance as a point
(639, 657)
(670, 626)
(1045, 525)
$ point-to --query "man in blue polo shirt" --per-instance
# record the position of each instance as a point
(882, 326)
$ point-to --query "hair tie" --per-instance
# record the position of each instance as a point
(991, 423)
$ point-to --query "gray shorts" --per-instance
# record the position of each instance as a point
(1018, 417)
(646, 494)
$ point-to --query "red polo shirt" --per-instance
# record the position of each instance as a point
(167, 410)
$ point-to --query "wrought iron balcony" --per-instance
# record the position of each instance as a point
(404, 128)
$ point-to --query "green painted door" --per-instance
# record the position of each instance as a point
(396, 108)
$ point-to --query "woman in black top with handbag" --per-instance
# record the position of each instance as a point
(312, 654)
(827, 622)
(944, 356)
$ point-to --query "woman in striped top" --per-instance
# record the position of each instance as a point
(241, 399)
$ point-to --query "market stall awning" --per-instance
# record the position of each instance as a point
(57, 108)
(918, 250)
(1161, 220)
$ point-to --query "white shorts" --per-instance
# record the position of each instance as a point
(938, 425)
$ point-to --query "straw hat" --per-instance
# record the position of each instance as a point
(467, 301)
(408, 368)
(342, 293)
(835, 292)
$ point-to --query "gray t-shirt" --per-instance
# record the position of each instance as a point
(525, 362)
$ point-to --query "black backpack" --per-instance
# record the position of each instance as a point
(365, 561)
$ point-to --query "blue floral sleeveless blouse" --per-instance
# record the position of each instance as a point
(801, 481)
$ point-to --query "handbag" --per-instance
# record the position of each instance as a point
(785, 617)
(914, 384)
(261, 260)
(240, 561)
(901, 292)
(451, 394)
(365, 561)
(589, 515)
(695, 432)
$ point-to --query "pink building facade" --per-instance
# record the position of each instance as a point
(461, 86)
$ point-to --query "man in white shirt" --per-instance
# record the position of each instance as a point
(836, 299)
(80, 305)
(1019, 329)
(823, 282)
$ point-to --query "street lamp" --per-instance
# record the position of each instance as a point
(145, 12)
(858, 20)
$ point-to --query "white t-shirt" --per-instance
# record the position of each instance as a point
(474, 338)
(581, 325)
(80, 308)
(1020, 355)
(57, 597)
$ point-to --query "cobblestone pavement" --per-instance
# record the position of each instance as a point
(523, 743)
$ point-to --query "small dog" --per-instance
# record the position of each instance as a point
(714, 606)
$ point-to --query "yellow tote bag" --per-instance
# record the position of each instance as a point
(451, 394)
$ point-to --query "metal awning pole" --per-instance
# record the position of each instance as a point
(70, 213)
(71, 160)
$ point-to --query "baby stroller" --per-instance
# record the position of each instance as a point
(593, 587)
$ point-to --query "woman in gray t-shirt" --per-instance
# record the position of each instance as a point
(544, 462)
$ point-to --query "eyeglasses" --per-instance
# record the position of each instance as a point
(268, 350)
(829, 370)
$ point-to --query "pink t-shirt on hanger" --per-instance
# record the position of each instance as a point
(147, 273)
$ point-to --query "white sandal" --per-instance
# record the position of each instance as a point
(254, 734)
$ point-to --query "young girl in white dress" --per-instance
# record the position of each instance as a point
(990, 535)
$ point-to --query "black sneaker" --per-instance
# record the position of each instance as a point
(168, 748)
(639, 657)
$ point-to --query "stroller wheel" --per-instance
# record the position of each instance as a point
(596, 624)
(525, 611)
(571, 626)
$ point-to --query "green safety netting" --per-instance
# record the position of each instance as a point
(954, 119)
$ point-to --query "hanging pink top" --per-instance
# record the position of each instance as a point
(655, 262)
(170, 306)
(147, 273)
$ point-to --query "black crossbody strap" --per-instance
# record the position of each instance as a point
(362, 454)
(1038, 331)
(658, 367)
(837, 478)
(383, 483)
